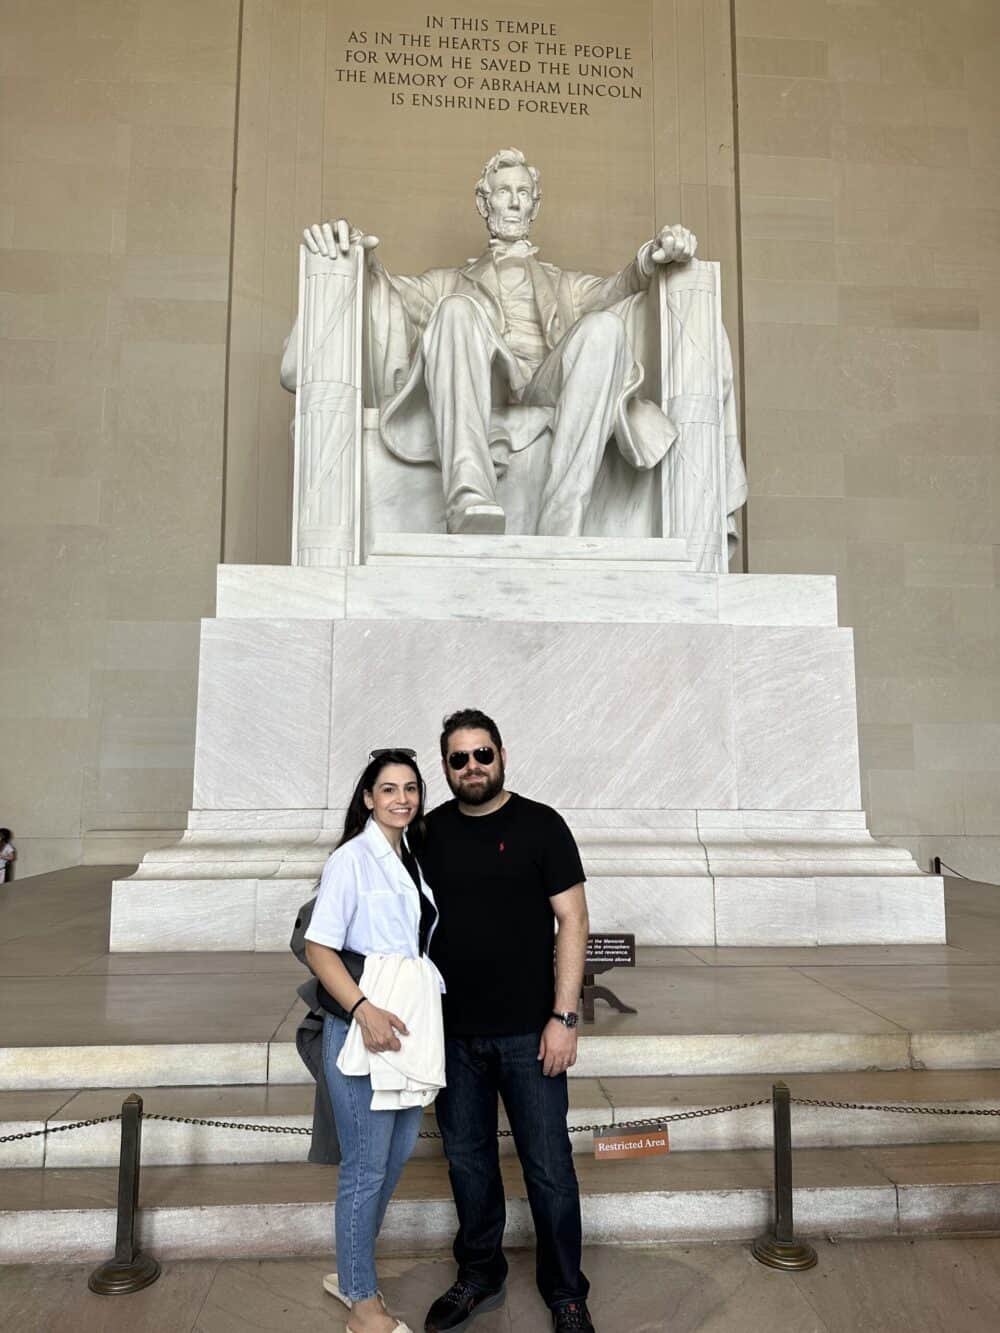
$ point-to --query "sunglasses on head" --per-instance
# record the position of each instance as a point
(483, 754)
(393, 749)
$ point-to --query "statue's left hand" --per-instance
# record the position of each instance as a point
(674, 245)
(333, 239)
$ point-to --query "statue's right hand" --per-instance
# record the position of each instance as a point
(333, 239)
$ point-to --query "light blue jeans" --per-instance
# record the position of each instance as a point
(375, 1146)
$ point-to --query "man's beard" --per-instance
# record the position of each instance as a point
(478, 793)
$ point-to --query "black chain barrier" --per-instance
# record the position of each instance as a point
(940, 865)
(61, 1129)
(649, 1122)
(130, 1270)
(424, 1133)
(901, 1110)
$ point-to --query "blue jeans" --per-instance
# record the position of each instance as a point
(375, 1146)
(478, 1068)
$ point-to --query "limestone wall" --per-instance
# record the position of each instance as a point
(115, 197)
(870, 230)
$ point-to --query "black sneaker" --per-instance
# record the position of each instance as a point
(459, 1306)
(572, 1318)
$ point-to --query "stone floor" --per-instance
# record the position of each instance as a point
(59, 986)
(890, 1286)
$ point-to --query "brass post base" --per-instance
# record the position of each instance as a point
(791, 1256)
(115, 1279)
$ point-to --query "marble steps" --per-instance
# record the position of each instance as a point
(218, 1020)
(181, 1064)
(259, 1210)
(612, 1055)
(592, 1101)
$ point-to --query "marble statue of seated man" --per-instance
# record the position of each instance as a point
(451, 350)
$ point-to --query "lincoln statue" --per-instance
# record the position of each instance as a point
(472, 364)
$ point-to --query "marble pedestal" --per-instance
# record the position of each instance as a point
(698, 732)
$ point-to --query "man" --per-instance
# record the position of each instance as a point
(504, 870)
(450, 350)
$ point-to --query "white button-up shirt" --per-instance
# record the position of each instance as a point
(366, 899)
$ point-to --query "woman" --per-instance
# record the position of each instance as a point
(371, 901)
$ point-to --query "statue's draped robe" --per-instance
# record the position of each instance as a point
(626, 499)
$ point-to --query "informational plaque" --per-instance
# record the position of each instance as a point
(612, 1144)
(604, 951)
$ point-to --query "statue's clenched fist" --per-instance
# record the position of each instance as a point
(333, 239)
(674, 245)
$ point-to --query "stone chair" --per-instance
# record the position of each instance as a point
(348, 487)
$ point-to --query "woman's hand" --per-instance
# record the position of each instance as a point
(379, 1027)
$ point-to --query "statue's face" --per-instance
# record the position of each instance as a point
(511, 207)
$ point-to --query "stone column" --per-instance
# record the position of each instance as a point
(692, 385)
(326, 522)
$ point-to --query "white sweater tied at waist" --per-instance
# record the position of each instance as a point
(410, 988)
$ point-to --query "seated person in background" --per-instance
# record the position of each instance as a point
(8, 854)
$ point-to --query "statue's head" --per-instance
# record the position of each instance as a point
(508, 195)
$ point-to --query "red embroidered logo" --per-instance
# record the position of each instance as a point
(501, 847)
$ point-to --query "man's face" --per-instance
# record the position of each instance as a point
(475, 782)
(511, 207)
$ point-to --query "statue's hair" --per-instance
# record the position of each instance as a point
(506, 157)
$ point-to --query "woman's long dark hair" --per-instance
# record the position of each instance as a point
(358, 813)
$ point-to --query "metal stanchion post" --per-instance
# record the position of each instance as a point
(129, 1270)
(779, 1248)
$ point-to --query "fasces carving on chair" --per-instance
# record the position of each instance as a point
(548, 401)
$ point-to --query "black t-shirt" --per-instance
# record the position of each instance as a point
(492, 877)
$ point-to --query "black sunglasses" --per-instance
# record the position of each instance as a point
(393, 749)
(483, 754)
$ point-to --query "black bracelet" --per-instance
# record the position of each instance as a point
(355, 1005)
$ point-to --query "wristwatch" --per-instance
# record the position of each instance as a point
(569, 1019)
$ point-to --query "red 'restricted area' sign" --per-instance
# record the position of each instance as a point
(612, 1145)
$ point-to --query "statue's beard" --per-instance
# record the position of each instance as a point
(514, 229)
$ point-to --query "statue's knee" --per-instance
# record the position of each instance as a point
(457, 311)
(602, 328)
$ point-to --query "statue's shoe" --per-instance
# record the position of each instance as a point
(482, 517)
